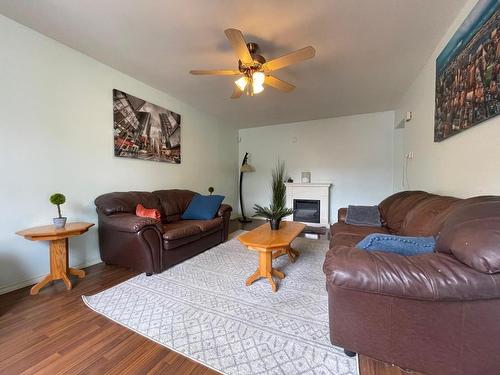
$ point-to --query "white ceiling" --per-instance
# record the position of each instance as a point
(367, 51)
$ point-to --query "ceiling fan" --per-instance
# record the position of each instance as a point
(253, 68)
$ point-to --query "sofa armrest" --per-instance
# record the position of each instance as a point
(224, 210)
(341, 214)
(225, 213)
(127, 222)
(433, 276)
(131, 241)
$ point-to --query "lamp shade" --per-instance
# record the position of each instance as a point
(247, 168)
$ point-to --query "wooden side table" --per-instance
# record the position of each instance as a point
(58, 246)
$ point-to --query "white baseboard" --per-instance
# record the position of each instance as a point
(24, 283)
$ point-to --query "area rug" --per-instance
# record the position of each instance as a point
(202, 309)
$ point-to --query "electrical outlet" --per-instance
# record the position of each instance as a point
(410, 155)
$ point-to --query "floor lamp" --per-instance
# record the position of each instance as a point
(245, 168)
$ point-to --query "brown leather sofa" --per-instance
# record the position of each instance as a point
(437, 313)
(148, 245)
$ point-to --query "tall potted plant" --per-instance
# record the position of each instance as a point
(58, 199)
(277, 210)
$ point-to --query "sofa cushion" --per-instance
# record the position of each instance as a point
(428, 216)
(207, 225)
(472, 234)
(112, 203)
(203, 207)
(180, 229)
(395, 213)
(345, 239)
(355, 229)
(432, 276)
(174, 244)
(173, 202)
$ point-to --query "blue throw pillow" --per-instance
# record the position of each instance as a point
(397, 244)
(203, 207)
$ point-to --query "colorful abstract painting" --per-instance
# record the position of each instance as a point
(145, 131)
(468, 73)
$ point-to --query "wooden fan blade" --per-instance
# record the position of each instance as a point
(220, 72)
(278, 84)
(239, 45)
(290, 58)
(236, 93)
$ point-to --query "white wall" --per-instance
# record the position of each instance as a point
(353, 153)
(56, 122)
(463, 165)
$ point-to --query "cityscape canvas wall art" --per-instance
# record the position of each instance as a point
(145, 131)
(468, 73)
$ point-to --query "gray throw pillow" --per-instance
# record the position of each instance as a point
(363, 215)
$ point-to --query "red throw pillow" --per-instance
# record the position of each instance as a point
(153, 213)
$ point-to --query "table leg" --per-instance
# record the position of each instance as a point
(265, 270)
(59, 269)
(59, 261)
(77, 272)
(36, 288)
(272, 282)
(290, 251)
(292, 254)
(255, 276)
(66, 281)
(279, 253)
(277, 273)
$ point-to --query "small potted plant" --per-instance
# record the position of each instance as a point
(277, 210)
(211, 190)
(58, 199)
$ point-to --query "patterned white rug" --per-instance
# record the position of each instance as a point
(202, 309)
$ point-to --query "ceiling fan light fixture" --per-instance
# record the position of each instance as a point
(256, 88)
(254, 69)
(258, 78)
(241, 83)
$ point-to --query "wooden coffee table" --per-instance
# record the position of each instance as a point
(271, 244)
(58, 238)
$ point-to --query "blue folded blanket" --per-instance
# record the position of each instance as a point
(397, 244)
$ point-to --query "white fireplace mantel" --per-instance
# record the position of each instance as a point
(315, 191)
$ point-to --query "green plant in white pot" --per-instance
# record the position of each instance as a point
(58, 199)
(277, 210)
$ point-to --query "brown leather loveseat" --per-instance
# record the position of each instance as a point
(438, 313)
(148, 245)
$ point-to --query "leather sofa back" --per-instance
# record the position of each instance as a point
(173, 203)
(468, 229)
(395, 208)
(116, 202)
(428, 216)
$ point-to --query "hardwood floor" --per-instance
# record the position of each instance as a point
(370, 366)
(55, 333)
(235, 225)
